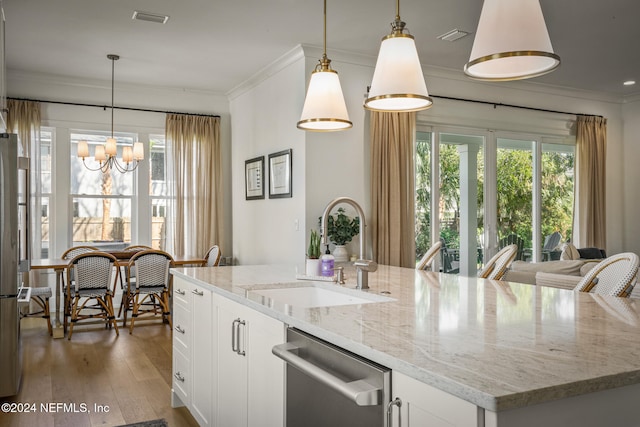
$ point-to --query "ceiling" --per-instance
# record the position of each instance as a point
(215, 45)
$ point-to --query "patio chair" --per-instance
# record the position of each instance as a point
(551, 242)
(93, 279)
(212, 258)
(613, 276)
(513, 239)
(426, 261)
(150, 291)
(499, 263)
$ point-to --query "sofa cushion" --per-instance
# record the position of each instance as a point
(569, 267)
(569, 252)
(592, 253)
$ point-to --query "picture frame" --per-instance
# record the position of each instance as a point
(254, 178)
(280, 178)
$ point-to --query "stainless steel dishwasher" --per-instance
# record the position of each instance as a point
(327, 386)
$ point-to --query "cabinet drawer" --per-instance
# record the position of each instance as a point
(182, 294)
(181, 377)
(182, 329)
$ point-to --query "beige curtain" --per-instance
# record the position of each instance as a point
(392, 182)
(589, 213)
(193, 147)
(24, 119)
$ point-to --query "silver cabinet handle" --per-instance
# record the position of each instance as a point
(234, 335)
(358, 391)
(179, 377)
(395, 402)
(180, 291)
(179, 329)
(197, 292)
(240, 323)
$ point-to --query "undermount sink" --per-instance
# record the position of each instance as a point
(315, 295)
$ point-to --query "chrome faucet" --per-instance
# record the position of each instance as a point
(363, 266)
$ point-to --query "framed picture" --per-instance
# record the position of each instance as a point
(254, 178)
(280, 174)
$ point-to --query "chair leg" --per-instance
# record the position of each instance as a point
(165, 304)
(134, 311)
(74, 315)
(47, 315)
(111, 313)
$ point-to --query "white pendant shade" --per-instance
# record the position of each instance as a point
(324, 107)
(398, 83)
(511, 42)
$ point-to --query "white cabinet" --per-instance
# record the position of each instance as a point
(423, 405)
(250, 380)
(193, 350)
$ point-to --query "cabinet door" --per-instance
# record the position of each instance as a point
(423, 405)
(231, 366)
(202, 351)
(266, 371)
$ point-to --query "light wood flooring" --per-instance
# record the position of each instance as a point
(129, 374)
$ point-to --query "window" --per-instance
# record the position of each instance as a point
(159, 192)
(41, 243)
(529, 193)
(102, 202)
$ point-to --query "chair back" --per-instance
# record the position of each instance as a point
(551, 241)
(499, 263)
(92, 271)
(152, 268)
(513, 239)
(212, 258)
(614, 276)
(77, 250)
(426, 261)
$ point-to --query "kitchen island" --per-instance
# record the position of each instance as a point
(517, 352)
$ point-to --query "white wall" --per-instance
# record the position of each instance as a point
(631, 156)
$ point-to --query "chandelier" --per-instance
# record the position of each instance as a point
(105, 155)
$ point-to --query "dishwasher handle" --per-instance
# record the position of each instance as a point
(359, 391)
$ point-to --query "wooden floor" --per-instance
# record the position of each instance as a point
(130, 375)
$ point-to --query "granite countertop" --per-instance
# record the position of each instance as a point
(499, 345)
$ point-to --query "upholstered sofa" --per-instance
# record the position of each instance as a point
(525, 272)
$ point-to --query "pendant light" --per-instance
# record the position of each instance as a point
(511, 43)
(398, 82)
(324, 107)
(105, 155)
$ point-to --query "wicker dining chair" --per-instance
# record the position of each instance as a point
(426, 262)
(93, 279)
(614, 276)
(69, 254)
(150, 290)
(212, 258)
(499, 263)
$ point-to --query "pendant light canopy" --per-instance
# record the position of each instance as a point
(512, 42)
(398, 82)
(324, 107)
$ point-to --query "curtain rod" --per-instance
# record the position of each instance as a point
(499, 104)
(78, 104)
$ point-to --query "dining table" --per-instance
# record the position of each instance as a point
(58, 265)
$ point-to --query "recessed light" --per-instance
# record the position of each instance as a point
(629, 83)
(453, 35)
(150, 17)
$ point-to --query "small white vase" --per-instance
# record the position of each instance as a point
(340, 253)
(312, 267)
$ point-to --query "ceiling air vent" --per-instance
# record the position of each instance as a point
(453, 35)
(151, 17)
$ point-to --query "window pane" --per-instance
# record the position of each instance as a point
(515, 194)
(101, 220)
(85, 181)
(423, 193)
(557, 193)
(46, 136)
(158, 166)
(461, 202)
(158, 223)
(45, 217)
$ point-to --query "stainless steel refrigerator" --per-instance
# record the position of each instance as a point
(14, 258)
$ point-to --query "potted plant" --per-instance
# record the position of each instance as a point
(312, 266)
(341, 229)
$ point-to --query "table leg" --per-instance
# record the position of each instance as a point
(58, 329)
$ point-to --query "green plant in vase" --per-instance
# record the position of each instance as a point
(312, 265)
(341, 229)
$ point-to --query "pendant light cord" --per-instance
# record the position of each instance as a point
(397, 10)
(113, 67)
(325, 29)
